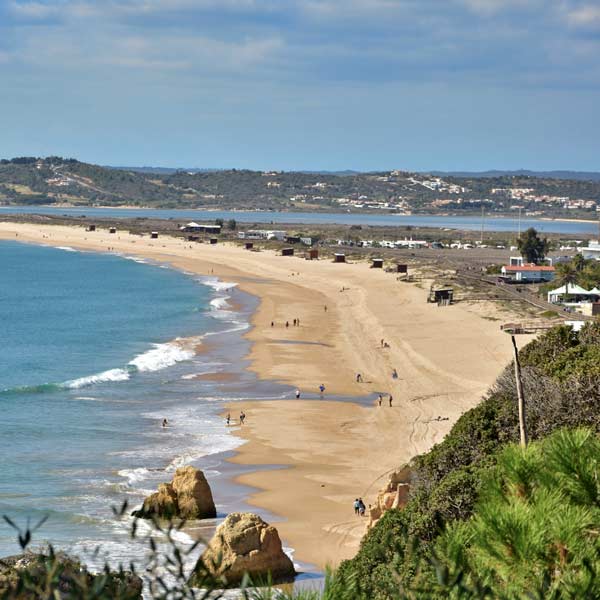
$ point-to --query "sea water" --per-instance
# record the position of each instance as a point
(95, 350)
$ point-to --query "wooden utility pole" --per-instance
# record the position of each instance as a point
(521, 400)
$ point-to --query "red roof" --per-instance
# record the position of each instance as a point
(528, 268)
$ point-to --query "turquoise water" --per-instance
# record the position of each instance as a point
(469, 223)
(95, 350)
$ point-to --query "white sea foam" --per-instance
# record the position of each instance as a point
(134, 476)
(104, 377)
(218, 285)
(237, 326)
(160, 357)
(219, 303)
(66, 248)
(136, 259)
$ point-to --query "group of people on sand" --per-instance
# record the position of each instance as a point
(359, 507)
(295, 323)
(241, 421)
(380, 399)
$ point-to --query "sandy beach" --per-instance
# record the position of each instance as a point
(445, 359)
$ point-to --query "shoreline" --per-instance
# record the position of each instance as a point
(330, 447)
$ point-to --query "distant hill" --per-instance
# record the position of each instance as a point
(53, 180)
(572, 175)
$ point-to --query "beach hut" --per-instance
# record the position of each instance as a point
(312, 254)
(249, 245)
(287, 252)
(441, 295)
(154, 235)
(339, 257)
(401, 268)
(377, 263)
(90, 228)
(112, 230)
(213, 241)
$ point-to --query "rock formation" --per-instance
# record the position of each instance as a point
(188, 496)
(244, 543)
(393, 495)
(62, 577)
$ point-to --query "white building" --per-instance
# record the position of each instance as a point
(592, 251)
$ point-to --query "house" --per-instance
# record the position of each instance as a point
(201, 228)
(592, 251)
(262, 234)
(528, 273)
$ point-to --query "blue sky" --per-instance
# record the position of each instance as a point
(303, 84)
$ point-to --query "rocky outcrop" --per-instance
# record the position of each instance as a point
(244, 543)
(60, 576)
(188, 496)
(393, 495)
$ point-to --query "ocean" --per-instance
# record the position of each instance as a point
(95, 350)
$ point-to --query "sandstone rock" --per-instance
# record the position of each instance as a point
(193, 494)
(188, 496)
(73, 581)
(244, 543)
(395, 494)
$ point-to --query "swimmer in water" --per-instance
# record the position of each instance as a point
(165, 423)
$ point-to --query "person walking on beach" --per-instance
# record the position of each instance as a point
(361, 507)
(356, 507)
(243, 417)
(297, 394)
(321, 389)
(287, 323)
(394, 374)
(380, 399)
(228, 419)
(359, 378)
(294, 322)
(391, 400)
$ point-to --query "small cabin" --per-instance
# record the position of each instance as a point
(441, 295)
(339, 257)
(193, 238)
(401, 268)
(287, 252)
(154, 235)
(312, 254)
(112, 230)
(90, 228)
(377, 263)
(292, 239)
(213, 241)
(249, 245)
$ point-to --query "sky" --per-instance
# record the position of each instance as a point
(303, 84)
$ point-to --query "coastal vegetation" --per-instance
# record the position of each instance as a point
(485, 518)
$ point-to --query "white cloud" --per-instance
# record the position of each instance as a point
(489, 7)
(33, 10)
(585, 16)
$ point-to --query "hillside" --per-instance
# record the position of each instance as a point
(408, 549)
(52, 180)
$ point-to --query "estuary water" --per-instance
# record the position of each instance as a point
(468, 223)
(95, 350)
